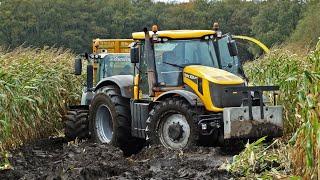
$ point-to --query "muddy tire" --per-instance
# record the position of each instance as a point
(172, 123)
(109, 105)
(76, 124)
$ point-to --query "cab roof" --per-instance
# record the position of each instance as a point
(176, 34)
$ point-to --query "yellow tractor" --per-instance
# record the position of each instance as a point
(187, 88)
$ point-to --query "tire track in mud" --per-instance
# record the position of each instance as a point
(54, 159)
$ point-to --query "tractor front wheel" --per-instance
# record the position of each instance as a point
(172, 123)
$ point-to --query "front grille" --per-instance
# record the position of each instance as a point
(222, 98)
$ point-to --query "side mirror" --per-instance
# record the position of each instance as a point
(232, 46)
(86, 55)
(77, 66)
(134, 54)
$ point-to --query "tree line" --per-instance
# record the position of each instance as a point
(73, 24)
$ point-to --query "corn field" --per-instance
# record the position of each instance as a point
(35, 86)
(299, 81)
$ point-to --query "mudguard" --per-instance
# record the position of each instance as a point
(191, 97)
(124, 82)
(86, 97)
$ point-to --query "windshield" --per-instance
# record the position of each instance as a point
(115, 64)
(174, 54)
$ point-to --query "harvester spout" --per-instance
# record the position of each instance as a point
(149, 57)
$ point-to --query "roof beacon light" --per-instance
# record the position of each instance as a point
(154, 28)
(216, 28)
(155, 35)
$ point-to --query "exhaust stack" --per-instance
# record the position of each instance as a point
(149, 57)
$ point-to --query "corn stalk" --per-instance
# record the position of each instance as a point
(35, 86)
(299, 81)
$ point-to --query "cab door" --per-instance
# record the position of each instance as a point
(228, 63)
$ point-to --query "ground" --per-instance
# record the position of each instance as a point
(53, 158)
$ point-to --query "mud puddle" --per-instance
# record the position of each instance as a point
(55, 159)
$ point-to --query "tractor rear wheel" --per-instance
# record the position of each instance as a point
(172, 123)
(76, 124)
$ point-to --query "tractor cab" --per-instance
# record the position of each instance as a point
(113, 64)
(173, 51)
(110, 57)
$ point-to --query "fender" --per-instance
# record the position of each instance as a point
(192, 98)
(124, 82)
(86, 97)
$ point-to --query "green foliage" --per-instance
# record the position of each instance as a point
(276, 20)
(259, 160)
(4, 161)
(39, 23)
(308, 28)
(73, 24)
(35, 86)
(299, 81)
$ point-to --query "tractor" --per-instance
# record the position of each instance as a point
(110, 57)
(187, 88)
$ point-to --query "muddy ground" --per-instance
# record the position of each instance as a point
(53, 158)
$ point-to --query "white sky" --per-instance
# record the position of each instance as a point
(176, 1)
(180, 1)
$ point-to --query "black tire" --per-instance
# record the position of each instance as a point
(76, 124)
(161, 111)
(119, 108)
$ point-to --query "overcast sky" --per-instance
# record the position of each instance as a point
(177, 1)
(180, 1)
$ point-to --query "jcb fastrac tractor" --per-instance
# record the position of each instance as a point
(187, 88)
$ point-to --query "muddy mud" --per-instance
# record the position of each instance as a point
(53, 158)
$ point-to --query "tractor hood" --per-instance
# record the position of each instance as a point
(211, 74)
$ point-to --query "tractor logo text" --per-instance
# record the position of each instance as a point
(190, 76)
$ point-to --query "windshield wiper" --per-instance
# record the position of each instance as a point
(181, 66)
(174, 65)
